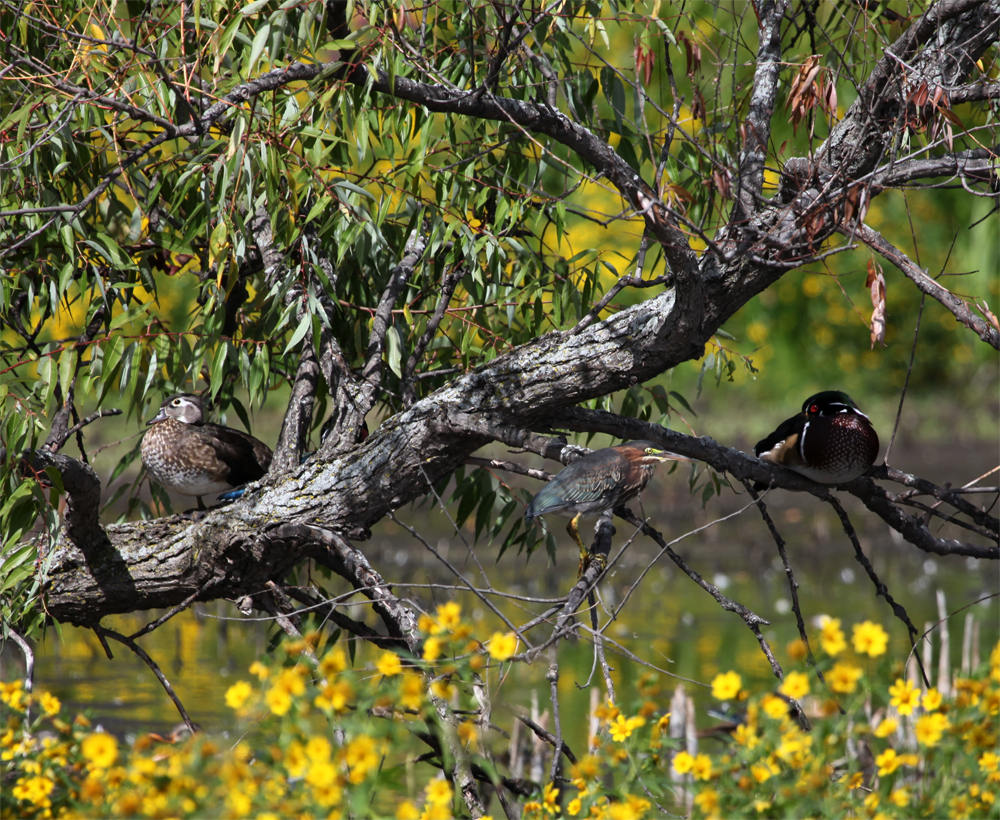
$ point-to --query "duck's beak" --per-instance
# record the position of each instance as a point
(161, 416)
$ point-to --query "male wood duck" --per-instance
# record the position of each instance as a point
(830, 441)
(184, 453)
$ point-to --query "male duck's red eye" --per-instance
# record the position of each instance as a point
(814, 408)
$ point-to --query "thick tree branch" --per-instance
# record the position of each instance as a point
(294, 436)
(974, 92)
(743, 466)
(757, 126)
(976, 166)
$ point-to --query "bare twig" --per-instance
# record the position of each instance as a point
(104, 632)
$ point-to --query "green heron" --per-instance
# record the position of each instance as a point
(184, 453)
(599, 482)
(830, 441)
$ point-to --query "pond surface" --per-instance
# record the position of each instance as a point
(666, 620)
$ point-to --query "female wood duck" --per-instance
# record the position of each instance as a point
(184, 453)
(830, 441)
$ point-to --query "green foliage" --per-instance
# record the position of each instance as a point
(27, 519)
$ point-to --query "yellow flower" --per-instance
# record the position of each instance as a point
(844, 677)
(278, 700)
(795, 685)
(50, 703)
(239, 802)
(318, 749)
(12, 694)
(886, 727)
(389, 664)
(100, 750)
(683, 762)
(831, 637)
(502, 646)
(931, 700)
(701, 768)
(763, 771)
(411, 691)
(989, 762)
(361, 757)
(329, 795)
(442, 688)
(888, 762)
(774, 707)
(794, 748)
(333, 663)
(746, 736)
(631, 808)
(321, 775)
(905, 697)
(901, 797)
(869, 639)
(335, 696)
(34, 790)
(930, 727)
(238, 694)
(432, 649)
(621, 728)
(550, 798)
(291, 680)
(295, 759)
(959, 806)
(407, 811)
(586, 768)
(573, 809)
(797, 649)
(726, 685)
(853, 781)
(449, 616)
(258, 669)
(707, 801)
(439, 792)
(662, 726)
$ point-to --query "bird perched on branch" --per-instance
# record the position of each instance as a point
(830, 441)
(184, 453)
(599, 482)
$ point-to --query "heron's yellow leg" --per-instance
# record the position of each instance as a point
(571, 528)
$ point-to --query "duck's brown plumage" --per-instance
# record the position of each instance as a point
(187, 455)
